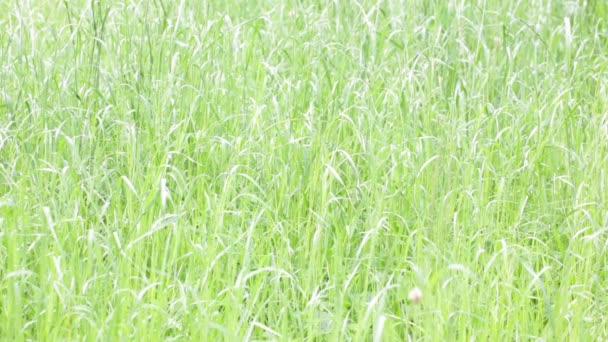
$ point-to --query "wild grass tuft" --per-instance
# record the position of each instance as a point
(223, 170)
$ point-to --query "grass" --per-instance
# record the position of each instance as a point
(287, 170)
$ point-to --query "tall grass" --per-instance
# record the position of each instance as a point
(287, 170)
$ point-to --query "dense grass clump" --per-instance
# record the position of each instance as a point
(318, 170)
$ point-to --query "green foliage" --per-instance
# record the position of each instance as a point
(288, 170)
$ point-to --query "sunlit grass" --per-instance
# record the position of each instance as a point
(285, 170)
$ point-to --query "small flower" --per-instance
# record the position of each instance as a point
(415, 295)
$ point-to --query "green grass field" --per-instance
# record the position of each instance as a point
(291, 170)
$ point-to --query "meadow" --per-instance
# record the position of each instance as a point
(292, 170)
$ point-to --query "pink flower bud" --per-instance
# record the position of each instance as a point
(415, 295)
